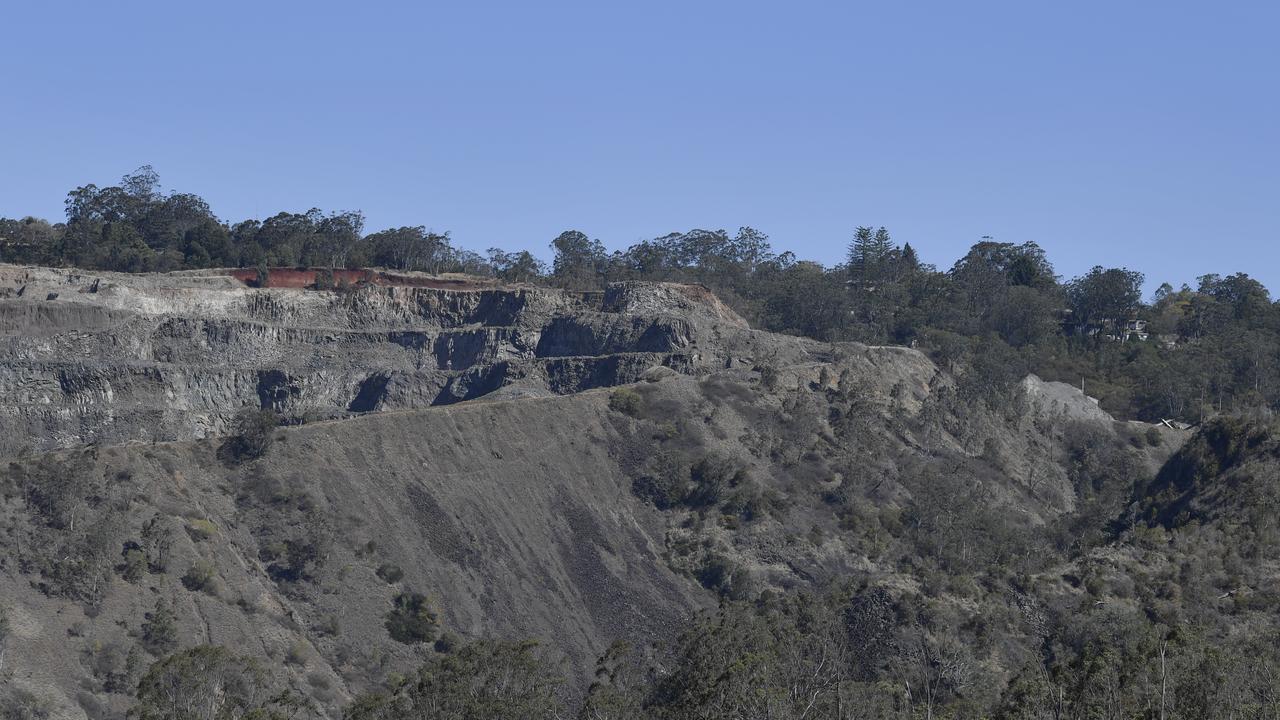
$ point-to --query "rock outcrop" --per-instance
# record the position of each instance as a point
(110, 358)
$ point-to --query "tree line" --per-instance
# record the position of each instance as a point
(1001, 309)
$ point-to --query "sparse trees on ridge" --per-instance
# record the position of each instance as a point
(997, 292)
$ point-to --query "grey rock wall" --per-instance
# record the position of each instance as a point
(110, 358)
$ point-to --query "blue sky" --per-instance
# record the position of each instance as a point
(1140, 134)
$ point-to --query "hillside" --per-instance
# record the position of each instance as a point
(624, 466)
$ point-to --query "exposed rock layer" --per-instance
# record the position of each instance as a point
(109, 358)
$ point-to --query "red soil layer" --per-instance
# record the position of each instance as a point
(306, 278)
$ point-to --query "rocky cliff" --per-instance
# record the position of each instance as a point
(110, 358)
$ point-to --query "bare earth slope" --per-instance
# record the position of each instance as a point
(528, 532)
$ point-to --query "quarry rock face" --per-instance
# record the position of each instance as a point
(109, 358)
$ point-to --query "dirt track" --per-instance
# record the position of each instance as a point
(306, 277)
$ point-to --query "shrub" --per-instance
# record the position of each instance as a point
(135, 563)
(666, 431)
(626, 401)
(301, 557)
(1153, 437)
(711, 476)
(297, 654)
(447, 643)
(200, 576)
(201, 529)
(724, 576)
(329, 626)
(390, 573)
(769, 375)
(662, 482)
(160, 629)
(157, 541)
(115, 666)
(254, 431)
(750, 502)
(411, 619)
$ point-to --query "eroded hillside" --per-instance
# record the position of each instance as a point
(732, 465)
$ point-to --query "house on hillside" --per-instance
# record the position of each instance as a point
(1135, 330)
(1114, 329)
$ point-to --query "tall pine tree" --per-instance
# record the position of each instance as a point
(871, 255)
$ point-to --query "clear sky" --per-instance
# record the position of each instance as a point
(1143, 134)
